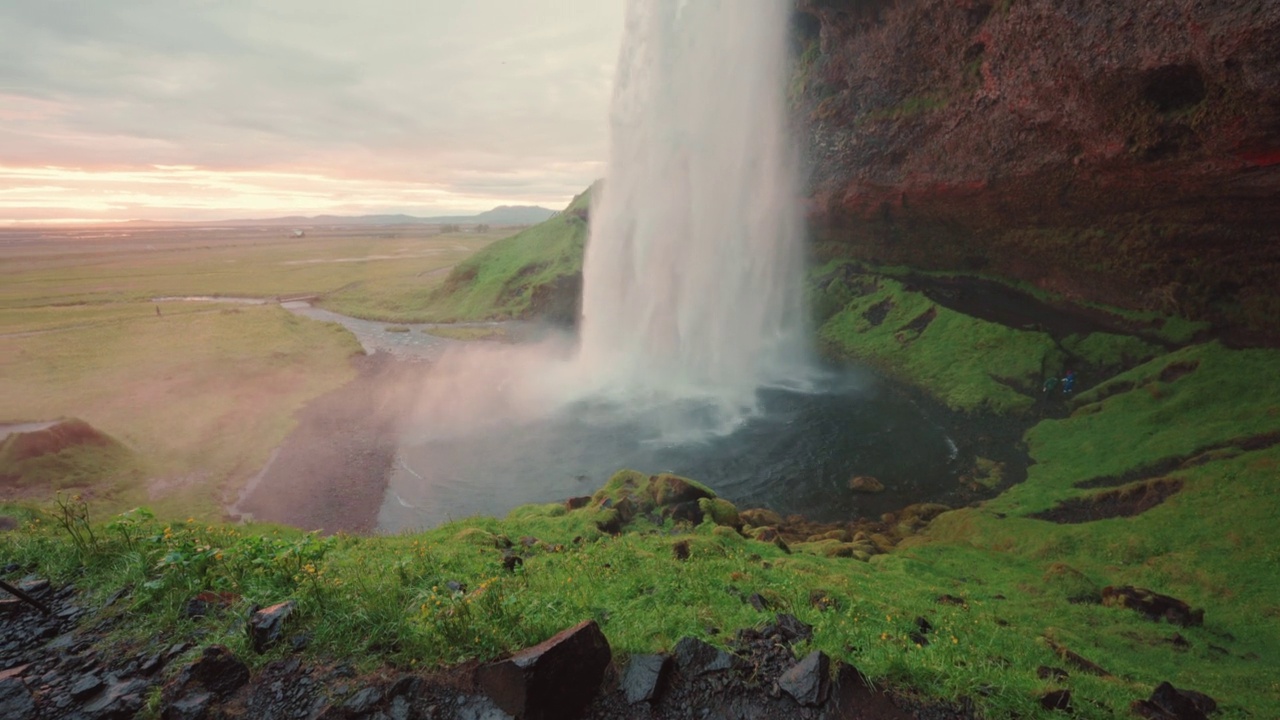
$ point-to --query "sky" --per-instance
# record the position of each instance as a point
(216, 109)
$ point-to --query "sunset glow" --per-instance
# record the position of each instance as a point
(128, 110)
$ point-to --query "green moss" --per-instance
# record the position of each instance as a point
(970, 364)
(720, 512)
(1109, 350)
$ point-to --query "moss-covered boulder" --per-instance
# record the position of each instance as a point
(667, 489)
(721, 512)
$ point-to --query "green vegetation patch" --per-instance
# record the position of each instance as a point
(1154, 417)
(1109, 351)
(970, 364)
(517, 276)
(448, 595)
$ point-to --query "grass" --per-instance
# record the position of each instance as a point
(971, 365)
(200, 397)
(236, 263)
(386, 600)
(498, 282)
(196, 393)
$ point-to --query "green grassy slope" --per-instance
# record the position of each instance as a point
(517, 277)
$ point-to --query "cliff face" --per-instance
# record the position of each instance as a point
(1119, 151)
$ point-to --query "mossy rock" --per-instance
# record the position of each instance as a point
(764, 534)
(721, 512)
(624, 483)
(669, 489)
(921, 513)
(760, 517)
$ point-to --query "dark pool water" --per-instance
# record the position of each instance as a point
(795, 456)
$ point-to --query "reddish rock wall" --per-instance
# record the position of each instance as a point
(1122, 151)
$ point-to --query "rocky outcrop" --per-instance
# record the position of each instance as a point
(1122, 151)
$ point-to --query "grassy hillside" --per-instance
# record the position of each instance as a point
(537, 272)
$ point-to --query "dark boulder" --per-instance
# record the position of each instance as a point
(791, 628)
(695, 657)
(554, 679)
(672, 490)
(266, 626)
(645, 677)
(120, 700)
(807, 682)
(1169, 703)
(194, 706)
(218, 670)
(1152, 604)
(15, 700)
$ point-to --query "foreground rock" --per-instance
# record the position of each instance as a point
(554, 680)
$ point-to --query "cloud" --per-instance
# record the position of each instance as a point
(485, 100)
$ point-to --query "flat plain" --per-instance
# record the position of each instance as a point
(99, 324)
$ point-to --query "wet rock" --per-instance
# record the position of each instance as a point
(574, 503)
(266, 626)
(1169, 703)
(192, 707)
(218, 670)
(455, 586)
(1152, 604)
(807, 681)
(554, 679)
(120, 700)
(645, 677)
(15, 700)
(865, 484)
(695, 657)
(792, 628)
(86, 686)
(363, 701)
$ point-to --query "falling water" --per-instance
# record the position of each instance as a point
(692, 273)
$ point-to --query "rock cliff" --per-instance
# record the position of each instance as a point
(1117, 151)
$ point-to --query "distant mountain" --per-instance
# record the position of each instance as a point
(501, 215)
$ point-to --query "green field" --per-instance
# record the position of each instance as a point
(197, 393)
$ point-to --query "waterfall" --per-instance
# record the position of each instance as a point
(692, 277)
